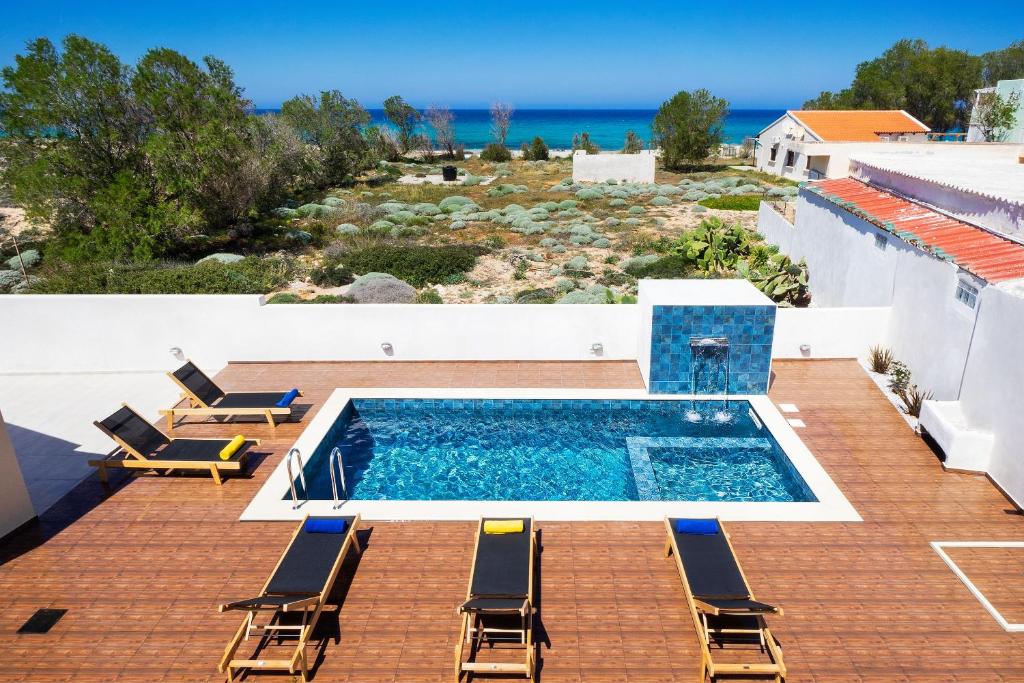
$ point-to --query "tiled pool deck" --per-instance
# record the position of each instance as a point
(142, 569)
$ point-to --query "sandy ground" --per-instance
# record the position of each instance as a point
(13, 220)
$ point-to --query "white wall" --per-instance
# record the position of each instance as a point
(15, 505)
(928, 329)
(830, 332)
(135, 333)
(992, 396)
(100, 333)
(596, 168)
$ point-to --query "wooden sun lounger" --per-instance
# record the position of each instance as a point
(144, 447)
(301, 582)
(499, 602)
(721, 603)
(207, 399)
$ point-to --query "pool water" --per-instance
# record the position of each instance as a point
(554, 450)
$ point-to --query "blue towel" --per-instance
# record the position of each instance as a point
(287, 399)
(325, 525)
(697, 527)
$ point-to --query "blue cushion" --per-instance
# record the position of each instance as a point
(698, 527)
(325, 525)
(287, 399)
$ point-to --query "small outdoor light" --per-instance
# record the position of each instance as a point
(597, 348)
(805, 349)
(388, 349)
(177, 352)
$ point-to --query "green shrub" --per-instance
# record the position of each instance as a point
(417, 265)
(595, 294)
(666, 267)
(429, 296)
(285, 298)
(331, 273)
(496, 152)
(536, 151)
(633, 143)
(251, 275)
(29, 257)
(660, 201)
(381, 288)
(732, 203)
(583, 141)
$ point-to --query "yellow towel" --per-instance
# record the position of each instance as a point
(503, 526)
(232, 447)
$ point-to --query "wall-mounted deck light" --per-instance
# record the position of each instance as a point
(387, 348)
(177, 352)
(805, 350)
(597, 348)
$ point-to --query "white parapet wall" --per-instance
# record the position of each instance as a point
(596, 168)
(122, 333)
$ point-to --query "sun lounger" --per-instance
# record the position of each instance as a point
(300, 583)
(720, 600)
(499, 603)
(205, 398)
(144, 447)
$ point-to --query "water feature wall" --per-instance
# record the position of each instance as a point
(678, 315)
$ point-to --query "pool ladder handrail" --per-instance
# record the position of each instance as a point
(291, 477)
(335, 461)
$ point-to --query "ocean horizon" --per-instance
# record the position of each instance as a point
(607, 127)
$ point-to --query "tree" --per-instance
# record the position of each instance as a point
(75, 154)
(539, 150)
(501, 119)
(405, 118)
(688, 127)
(995, 115)
(333, 126)
(583, 141)
(1003, 65)
(933, 85)
(633, 143)
(441, 120)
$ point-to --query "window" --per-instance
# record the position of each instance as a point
(790, 158)
(775, 153)
(902, 138)
(883, 138)
(967, 294)
(881, 242)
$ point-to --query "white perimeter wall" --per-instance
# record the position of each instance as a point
(992, 397)
(958, 353)
(15, 505)
(596, 168)
(928, 328)
(136, 333)
(74, 333)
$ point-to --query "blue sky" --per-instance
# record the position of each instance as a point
(532, 54)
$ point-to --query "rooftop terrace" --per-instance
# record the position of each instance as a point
(141, 569)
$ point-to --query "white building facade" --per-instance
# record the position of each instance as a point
(812, 145)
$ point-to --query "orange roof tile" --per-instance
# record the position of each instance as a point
(857, 126)
(987, 255)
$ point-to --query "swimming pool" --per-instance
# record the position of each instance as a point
(553, 450)
(554, 454)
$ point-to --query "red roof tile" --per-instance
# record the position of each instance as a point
(987, 255)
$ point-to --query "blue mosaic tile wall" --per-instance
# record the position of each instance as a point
(749, 328)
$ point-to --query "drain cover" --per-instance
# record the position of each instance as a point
(42, 621)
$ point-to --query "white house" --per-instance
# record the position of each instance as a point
(1008, 90)
(809, 145)
(932, 238)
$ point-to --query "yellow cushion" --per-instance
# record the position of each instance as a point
(503, 526)
(232, 447)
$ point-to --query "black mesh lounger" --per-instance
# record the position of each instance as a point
(143, 446)
(499, 602)
(720, 600)
(300, 583)
(207, 399)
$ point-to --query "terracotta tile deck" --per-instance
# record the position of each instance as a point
(141, 569)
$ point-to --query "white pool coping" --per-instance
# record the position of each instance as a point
(831, 506)
(940, 546)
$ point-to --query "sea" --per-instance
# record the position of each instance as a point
(607, 127)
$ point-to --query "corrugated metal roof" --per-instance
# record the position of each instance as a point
(987, 255)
